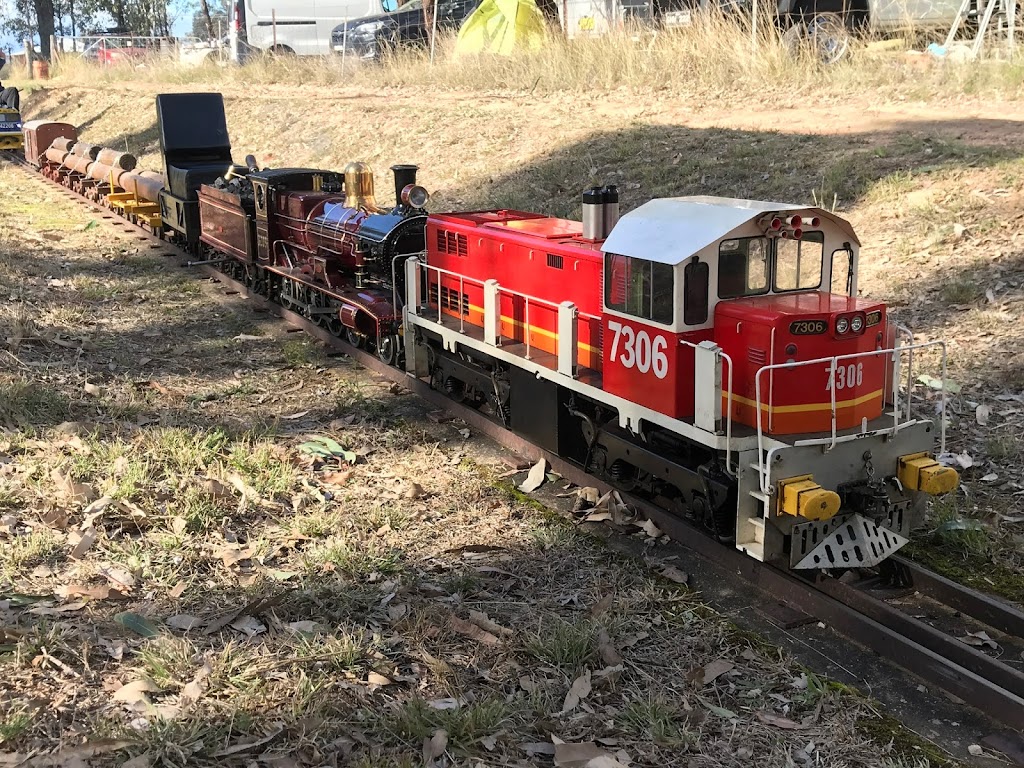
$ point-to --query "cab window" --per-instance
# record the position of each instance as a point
(640, 288)
(695, 292)
(742, 267)
(842, 271)
(798, 263)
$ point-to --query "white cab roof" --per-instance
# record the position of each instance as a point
(670, 230)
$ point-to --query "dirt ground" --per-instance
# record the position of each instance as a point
(158, 486)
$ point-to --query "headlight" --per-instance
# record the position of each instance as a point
(415, 196)
(367, 29)
(857, 324)
(842, 325)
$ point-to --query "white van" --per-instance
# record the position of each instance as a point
(294, 26)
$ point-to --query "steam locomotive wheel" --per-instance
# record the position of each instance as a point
(355, 338)
(387, 349)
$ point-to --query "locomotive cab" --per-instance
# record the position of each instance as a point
(762, 285)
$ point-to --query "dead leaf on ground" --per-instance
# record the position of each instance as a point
(472, 631)
(80, 544)
(99, 592)
(217, 489)
(711, 672)
(434, 746)
(982, 414)
(249, 625)
(135, 691)
(250, 743)
(585, 755)
(484, 622)
(377, 680)
(651, 529)
(770, 718)
(672, 573)
(80, 492)
(536, 478)
(183, 622)
(979, 640)
(581, 688)
(336, 478)
(602, 605)
(609, 655)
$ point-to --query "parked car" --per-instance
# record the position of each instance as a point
(373, 37)
(118, 49)
(301, 27)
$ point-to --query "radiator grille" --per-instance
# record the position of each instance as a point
(452, 242)
(451, 299)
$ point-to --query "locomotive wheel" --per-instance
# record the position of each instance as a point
(702, 512)
(387, 349)
(354, 338)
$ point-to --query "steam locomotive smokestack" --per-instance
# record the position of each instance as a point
(404, 176)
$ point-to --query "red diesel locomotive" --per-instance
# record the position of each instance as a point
(711, 354)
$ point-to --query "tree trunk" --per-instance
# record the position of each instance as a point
(119, 16)
(44, 22)
(428, 19)
(205, 6)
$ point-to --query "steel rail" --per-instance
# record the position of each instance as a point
(992, 611)
(981, 681)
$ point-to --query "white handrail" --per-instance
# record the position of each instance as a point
(527, 298)
(728, 400)
(833, 362)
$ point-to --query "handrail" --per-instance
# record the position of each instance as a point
(728, 398)
(527, 298)
(833, 362)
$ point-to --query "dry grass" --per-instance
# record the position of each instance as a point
(716, 56)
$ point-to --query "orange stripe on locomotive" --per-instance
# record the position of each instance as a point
(542, 257)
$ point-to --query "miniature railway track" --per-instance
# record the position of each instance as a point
(981, 680)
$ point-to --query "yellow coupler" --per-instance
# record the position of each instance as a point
(921, 472)
(802, 497)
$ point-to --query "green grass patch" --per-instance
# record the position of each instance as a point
(655, 719)
(565, 644)
(30, 404)
(416, 720)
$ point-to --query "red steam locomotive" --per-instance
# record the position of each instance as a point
(709, 353)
